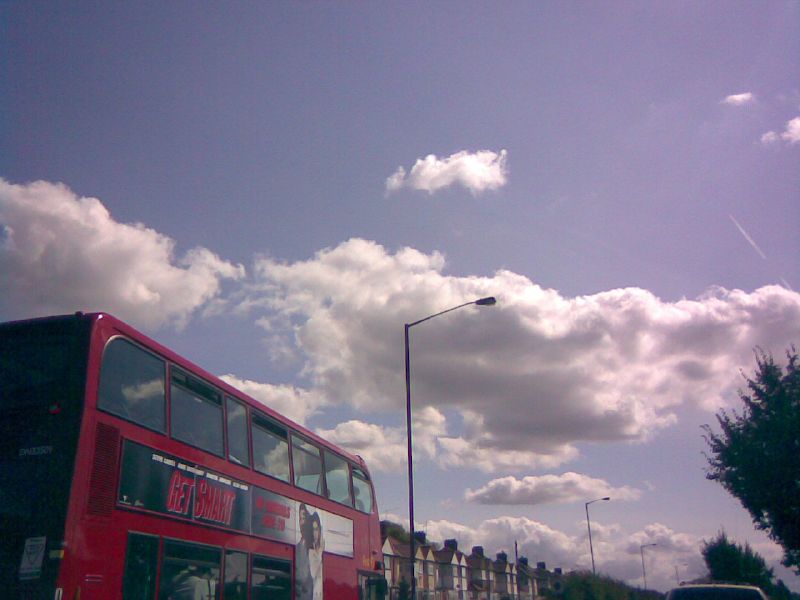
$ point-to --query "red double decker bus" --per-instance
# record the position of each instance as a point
(128, 472)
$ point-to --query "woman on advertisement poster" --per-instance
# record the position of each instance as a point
(304, 589)
(315, 550)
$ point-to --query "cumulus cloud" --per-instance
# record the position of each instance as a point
(293, 402)
(536, 540)
(478, 451)
(739, 99)
(770, 137)
(476, 171)
(384, 448)
(790, 134)
(616, 550)
(60, 252)
(606, 367)
(548, 489)
(622, 554)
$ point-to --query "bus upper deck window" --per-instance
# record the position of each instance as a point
(196, 410)
(132, 384)
(307, 464)
(362, 491)
(238, 448)
(337, 478)
(270, 448)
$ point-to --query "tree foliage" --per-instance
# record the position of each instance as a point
(582, 585)
(756, 457)
(732, 563)
(395, 531)
(403, 590)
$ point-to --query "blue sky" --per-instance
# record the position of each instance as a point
(273, 189)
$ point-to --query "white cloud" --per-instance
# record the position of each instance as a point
(477, 172)
(622, 555)
(385, 448)
(790, 134)
(617, 552)
(607, 367)
(548, 489)
(535, 540)
(60, 253)
(478, 451)
(292, 402)
(739, 99)
(769, 138)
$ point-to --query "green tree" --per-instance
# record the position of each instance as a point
(732, 563)
(756, 457)
(395, 531)
(403, 590)
(780, 592)
(583, 585)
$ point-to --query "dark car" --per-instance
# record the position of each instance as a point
(716, 591)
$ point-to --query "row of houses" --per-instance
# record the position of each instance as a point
(450, 574)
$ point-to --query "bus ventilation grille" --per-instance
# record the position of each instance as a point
(101, 484)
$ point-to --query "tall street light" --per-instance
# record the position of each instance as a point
(677, 574)
(641, 550)
(589, 525)
(488, 301)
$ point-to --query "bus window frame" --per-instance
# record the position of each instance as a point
(248, 434)
(290, 574)
(163, 556)
(348, 477)
(322, 484)
(358, 472)
(247, 570)
(159, 549)
(166, 364)
(188, 390)
(269, 426)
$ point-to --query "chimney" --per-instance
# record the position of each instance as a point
(557, 571)
(523, 560)
(419, 537)
(451, 544)
(477, 551)
(541, 565)
(502, 557)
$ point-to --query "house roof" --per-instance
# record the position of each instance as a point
(398, 548)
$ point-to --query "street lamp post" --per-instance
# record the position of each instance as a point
(488, 301)
(644, 573)
(589, 526)
(677, 575)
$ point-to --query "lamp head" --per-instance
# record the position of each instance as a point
(488, 301)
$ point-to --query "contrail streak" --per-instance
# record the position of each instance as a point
(750, 240)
